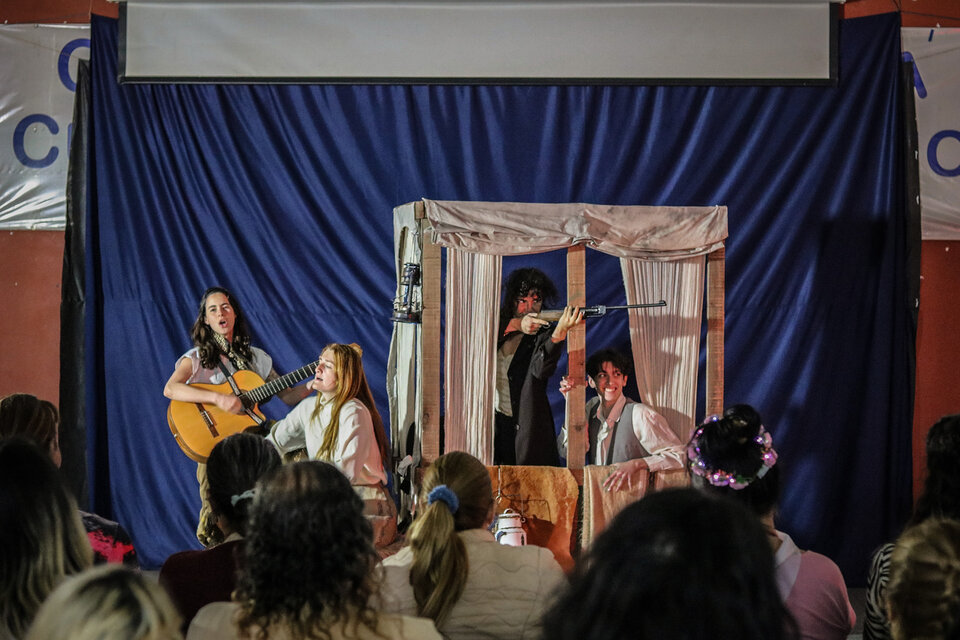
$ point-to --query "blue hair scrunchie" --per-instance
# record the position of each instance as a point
(444, 494)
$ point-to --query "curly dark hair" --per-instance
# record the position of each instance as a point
(520, 283)
(728, 444)
(233, 467)
(309, 555)
(202, 334)
(677, 564)
(941, 489)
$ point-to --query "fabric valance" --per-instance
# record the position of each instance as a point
(514, 228)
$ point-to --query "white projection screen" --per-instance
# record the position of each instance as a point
(447, 42)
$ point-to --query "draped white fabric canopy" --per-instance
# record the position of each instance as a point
(662, 253)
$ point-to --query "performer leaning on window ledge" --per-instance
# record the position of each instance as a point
(622, 432)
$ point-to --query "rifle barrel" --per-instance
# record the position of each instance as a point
(552, 315)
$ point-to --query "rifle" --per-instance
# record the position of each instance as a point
(552, 315)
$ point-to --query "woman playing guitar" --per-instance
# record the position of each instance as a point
(221, 340)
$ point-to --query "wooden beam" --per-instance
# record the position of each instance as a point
(575, 418)
(716, 290)
(430, 344)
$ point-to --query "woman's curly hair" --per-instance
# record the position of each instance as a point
(309, 555)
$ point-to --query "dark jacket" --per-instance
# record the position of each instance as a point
(196, 578)
(534, 362)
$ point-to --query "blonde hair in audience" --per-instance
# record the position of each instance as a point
(41, 536)
(27, 416)
(439, 569)
(923, 595)
(105, 603)
(351, 383)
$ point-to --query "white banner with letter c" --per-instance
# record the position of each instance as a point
(38, 72)
(935, 54)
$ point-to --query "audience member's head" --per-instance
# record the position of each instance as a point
(456, 495)
(41, 536)
(109, 602)
(941, 490)
(233, 468)
(27, 416)
(923, 595)
(733, 455)
(678, 564)
(309, 554)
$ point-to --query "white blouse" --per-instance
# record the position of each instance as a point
(356, 452)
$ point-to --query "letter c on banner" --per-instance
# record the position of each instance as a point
(932, 153)
(63, 64)
(21, 132)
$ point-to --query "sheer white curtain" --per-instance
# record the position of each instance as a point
(666, 340)
(472, 305)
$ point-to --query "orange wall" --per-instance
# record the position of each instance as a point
(938, 344)
(915, 13)
(54, 11)
(30, 264)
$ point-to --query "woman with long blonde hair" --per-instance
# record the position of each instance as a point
(342, 426)
(108, 602)
(455, 572)
(41, 537)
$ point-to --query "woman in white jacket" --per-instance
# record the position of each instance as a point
(455, 572)
(342, 426)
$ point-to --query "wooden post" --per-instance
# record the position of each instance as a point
(716, 288)
(430, 344)
(575, 418)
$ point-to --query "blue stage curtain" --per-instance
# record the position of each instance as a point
(285, 194)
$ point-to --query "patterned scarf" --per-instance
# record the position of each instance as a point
(236, 359)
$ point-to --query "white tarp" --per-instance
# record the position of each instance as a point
(38, 72)
(936, 79)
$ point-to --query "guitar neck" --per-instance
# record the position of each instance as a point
(275, 386)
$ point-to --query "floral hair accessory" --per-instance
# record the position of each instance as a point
(444, 494)
(721, 478)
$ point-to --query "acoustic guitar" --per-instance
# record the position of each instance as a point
(197, 427)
